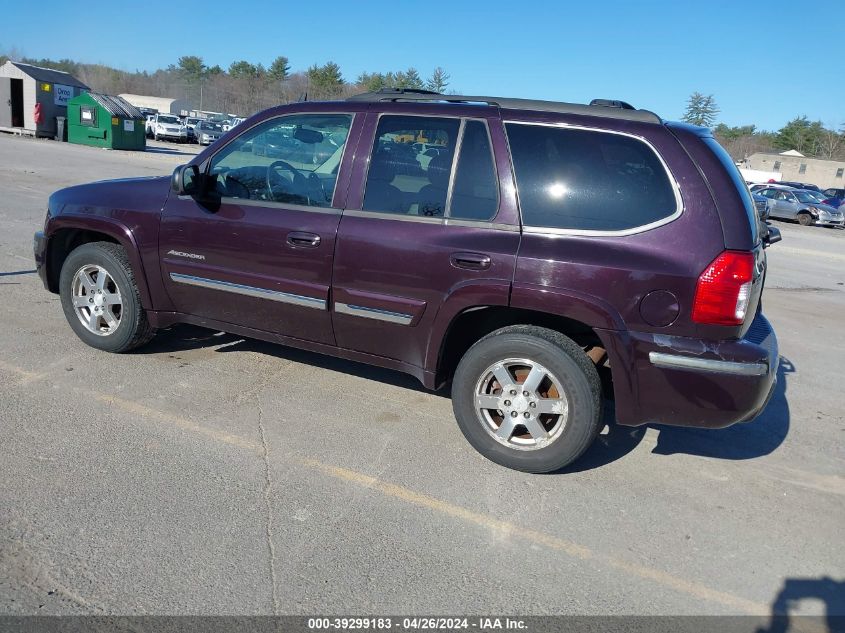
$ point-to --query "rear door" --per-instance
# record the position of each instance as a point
(421, 239)
(257, 250)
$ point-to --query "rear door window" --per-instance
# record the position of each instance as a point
(586, 180)
(403, 177)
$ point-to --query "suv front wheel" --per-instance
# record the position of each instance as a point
(527, 398)
(100, 298)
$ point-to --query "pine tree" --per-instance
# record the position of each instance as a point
(701, 110)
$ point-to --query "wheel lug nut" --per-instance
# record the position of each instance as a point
(527, 415)
(90, 301)
(507, 403)
(514, 414)
(533, 405)
(525, 393)
(513, 392)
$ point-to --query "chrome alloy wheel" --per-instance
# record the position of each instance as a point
(96, 300)
(521, 404)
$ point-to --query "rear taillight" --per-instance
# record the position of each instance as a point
(724, 289)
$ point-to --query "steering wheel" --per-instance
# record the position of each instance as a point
(298, 187)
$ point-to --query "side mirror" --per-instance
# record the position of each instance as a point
(772, 235)
(185, 180)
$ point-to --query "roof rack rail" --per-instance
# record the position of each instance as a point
(610, 108)
(612, 103)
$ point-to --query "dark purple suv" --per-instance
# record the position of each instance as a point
(515, 249)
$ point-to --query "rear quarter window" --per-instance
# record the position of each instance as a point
(588, 180)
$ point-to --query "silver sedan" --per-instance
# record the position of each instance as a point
(802, 205)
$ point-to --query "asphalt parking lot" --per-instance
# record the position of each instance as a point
(208, 474)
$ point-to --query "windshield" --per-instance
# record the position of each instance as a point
(210, 126)
(808, 196)
(168, 119)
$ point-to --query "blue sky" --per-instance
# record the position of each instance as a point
(650, 53)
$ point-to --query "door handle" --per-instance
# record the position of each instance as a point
(300, 238)
(472, 261)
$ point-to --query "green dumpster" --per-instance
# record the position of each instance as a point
(105, 121)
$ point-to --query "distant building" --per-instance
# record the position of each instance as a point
(165, 105)
(794, 166)
(32, 97)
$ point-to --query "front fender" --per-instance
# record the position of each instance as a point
(110, 227)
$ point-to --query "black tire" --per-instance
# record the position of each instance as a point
(133, 329)
(805, 219)
(571, 366)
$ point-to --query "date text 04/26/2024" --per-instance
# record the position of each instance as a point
(416, 623)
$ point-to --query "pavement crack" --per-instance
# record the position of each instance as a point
(268, 492)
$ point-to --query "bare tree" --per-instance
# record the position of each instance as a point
(831, 143)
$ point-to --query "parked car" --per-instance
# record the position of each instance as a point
(169, 127)
(835, 196)
(228, 124)
(802, 205)
(149, 124)
(755, 187)
(191, 125)
(207, 132)
(148, 112)
(619, 245)
(274, 143)
(763, 206)
(235, 122)
(819, 195)
(799, 185)
(424, 157)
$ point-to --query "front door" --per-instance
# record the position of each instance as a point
(423, 236)
(256, 249)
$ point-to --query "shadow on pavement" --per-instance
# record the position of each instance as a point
(741, 441)
(167, 151)
(827, 590)
(181, 338)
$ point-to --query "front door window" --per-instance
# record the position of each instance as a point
(289, 160)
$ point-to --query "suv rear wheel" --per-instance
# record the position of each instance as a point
(527, 398)
(100, 298)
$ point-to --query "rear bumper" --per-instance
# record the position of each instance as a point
(683, 381)
(39, 247)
